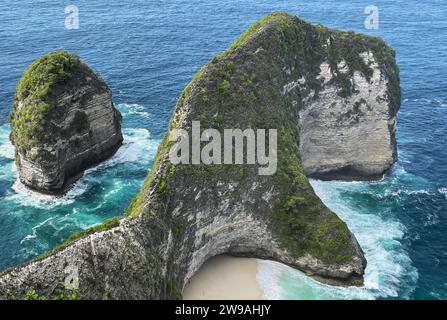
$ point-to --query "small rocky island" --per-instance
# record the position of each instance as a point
(333, 98)
(63, 121)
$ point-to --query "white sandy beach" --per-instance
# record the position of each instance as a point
(224, 277)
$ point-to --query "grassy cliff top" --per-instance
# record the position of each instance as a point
(44, 73)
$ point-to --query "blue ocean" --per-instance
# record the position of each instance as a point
(148, 50)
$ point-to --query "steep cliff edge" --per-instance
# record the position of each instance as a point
(185, 214)
(63, 121)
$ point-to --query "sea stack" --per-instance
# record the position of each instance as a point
(63, 121)
(277, 75)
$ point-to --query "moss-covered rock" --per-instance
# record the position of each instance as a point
(55, 125)
(32, 99)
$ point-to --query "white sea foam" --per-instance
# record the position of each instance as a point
(441, 102)
(443, 191)
(33, 235)
(8, 172)
(267, 277)
(6, 147)
(431, 219)
(137, 147)
(133, 109)
(30, 198)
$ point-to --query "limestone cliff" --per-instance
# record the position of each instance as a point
(277, 75)
(348, 123)
(63, 121)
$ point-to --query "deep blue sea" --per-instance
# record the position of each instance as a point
(148, 51)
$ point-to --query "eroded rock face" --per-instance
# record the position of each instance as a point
(63, 121)
(272, 77)
(351, 137)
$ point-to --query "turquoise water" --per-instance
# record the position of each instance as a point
(149, 50)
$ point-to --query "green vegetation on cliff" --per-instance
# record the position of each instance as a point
(47, 71)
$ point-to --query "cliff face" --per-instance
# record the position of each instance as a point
(275, 76)
(63, 121)
(348, 132)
